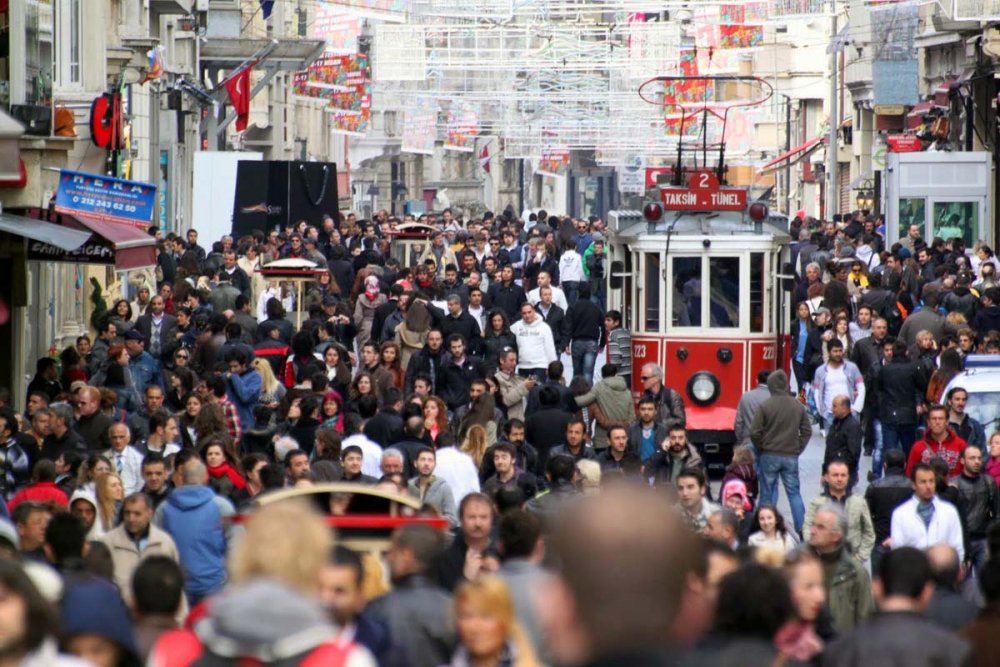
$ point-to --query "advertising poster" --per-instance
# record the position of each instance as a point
(106, 198)
(420, 127)
(463, 126)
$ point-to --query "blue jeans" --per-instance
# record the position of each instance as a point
(584, 354)
(976, 556)
(896, 436)
(571, 289)
(773, 465)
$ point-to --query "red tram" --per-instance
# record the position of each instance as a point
(698, 280)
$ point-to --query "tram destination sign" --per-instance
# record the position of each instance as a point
(698, 199)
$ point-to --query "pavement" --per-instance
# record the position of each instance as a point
(810, 470)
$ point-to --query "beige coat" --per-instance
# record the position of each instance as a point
(513, 391)
(125, 554)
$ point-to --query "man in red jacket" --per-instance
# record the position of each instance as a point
(939, 441)
(42, 489)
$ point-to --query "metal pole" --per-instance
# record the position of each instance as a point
(832, 189)
(788, 147)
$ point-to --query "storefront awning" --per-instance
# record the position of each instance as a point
(134, 248)
(45, 232)
(792, 157)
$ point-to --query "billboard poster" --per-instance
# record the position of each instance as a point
(463, 126)
(420, 127)
(106, 198)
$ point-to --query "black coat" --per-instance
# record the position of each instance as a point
(508, 298)
(584, 321)
(493, 346)
(454, 381)
(385, 428)
(544, 430)
(144, 325)
(843, 443)
(428, 362)
(464, 325)
(556, 319)
(883, 496)
(901, 387)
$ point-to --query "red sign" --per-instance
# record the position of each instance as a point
(651, 174)
(697, 199)
(904, 143)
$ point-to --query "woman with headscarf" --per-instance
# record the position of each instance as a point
(364, 309)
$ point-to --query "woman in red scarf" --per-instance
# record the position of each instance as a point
(223, 472)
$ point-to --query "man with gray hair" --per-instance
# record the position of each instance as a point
(669, 404)
(136, 539)
(392, 462)
(848, 586)
(62, 436)
(198, 521)
(125, 459)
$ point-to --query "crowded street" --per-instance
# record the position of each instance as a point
(481, 333)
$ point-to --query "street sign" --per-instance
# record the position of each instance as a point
(889, 109)
(904, 143)
(703, 194)
(653, 172)
(95, 251)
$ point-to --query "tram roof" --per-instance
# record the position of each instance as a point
(707, 224)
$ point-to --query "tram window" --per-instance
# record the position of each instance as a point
(724, 283)
(652, 292)
(687, 292)
(912, 211)
(757, 313)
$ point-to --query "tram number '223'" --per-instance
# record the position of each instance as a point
(767, 353)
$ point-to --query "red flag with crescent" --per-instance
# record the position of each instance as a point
(238, 87)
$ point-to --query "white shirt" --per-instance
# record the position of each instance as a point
(535, 346)
(835, 384)
(371, 454)
(480, 315)
(130, 469)
(908, 529)
(459, 470)
(558, 297)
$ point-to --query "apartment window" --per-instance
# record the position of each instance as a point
(69, 42)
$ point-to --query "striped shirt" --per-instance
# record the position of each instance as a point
(620, 350)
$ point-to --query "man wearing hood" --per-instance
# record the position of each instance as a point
(96, 625)
(613, 399)
(780, 432)
(196, 519)
(83, 505)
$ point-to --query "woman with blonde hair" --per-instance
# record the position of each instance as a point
(475, 443)
(488, 632)
(110, 493)
(271, 391)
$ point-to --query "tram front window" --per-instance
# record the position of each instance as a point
(724, 281)
(687, 292)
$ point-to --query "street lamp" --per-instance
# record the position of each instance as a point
(866, 196)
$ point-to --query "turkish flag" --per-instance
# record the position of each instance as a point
(238, 87)
(484, 158)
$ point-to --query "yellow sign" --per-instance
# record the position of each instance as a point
(889, 109)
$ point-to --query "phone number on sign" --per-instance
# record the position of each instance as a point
(103, 203)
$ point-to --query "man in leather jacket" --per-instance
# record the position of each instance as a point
(669, 404)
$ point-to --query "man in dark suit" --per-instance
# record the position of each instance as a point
(237, 276)
(157, 328)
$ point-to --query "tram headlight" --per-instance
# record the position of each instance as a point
(703, 388)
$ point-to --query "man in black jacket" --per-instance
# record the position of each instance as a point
(883, 497)
(507, 295)
(843, 442)
(552, 315)
(427, 361)
(867, 356)
(547, 427)
(460, 323)
(901, 389)
(585, 333)
(981, 504)
(457, 373)
(386, 428)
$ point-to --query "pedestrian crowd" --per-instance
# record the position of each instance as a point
(582, 527)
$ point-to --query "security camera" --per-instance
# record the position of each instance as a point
(707, 243)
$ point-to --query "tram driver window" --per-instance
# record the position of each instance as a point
(686, 283)
(724, 282)
(653, 292)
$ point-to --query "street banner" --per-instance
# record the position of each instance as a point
(420, 127)
(106, 198)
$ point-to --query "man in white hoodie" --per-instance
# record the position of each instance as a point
(571, 272)
(535, 345)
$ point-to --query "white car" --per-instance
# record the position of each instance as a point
(981, 379)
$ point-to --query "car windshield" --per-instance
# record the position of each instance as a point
(984, 407)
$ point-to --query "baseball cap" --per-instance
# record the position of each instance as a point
(132, 334)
